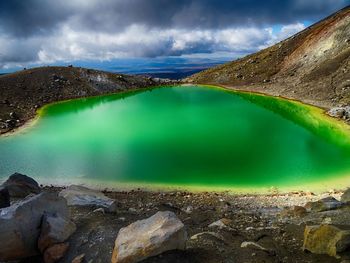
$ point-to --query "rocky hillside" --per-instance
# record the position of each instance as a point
(80, 225)
(312, 66)
(23, 92)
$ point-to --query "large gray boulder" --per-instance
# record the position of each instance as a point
(54, 229)
(4, 197)
(345, 196)
(149, 237)
(20, 185)
(20, 224)
(77, 195)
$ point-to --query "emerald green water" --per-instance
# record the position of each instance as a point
(192, 136)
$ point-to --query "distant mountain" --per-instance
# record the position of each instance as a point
(313, 65)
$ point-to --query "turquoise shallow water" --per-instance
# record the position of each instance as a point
(193, 136)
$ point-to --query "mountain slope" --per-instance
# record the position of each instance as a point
(21, 93)
(313, 65)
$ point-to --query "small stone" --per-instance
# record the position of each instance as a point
(55, 253)
(79, 259)
(99, 210)
(221, 223)
(189, 209)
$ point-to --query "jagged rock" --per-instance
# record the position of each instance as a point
(55, 253)
(149, 237)
(20, 224)
(346, 196)
(54, 229)
(77, 195)
(4, 197)
(328, 203)
(20, 185)
(326, 239)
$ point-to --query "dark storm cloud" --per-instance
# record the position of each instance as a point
(47, 31)
(28, 17)
(23, 18)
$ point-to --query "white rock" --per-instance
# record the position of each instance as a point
(149, 237)
(253, 245)
(77, 195)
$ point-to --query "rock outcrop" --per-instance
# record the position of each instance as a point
(149, 237)
(20, 224)
(77, 195)
(326, 239)
(20, 185)
(4, 197)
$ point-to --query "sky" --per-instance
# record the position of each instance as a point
(109, 33)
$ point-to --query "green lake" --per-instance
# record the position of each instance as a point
(191, 136)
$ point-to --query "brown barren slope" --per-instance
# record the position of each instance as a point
(312, 66)
(23, 92)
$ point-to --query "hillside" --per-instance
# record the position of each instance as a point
(23, 92)
(312, 66)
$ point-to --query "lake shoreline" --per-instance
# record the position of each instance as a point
(317, 187)
(32, 119)
(26, 91)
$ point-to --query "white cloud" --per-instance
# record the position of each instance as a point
(68, 44)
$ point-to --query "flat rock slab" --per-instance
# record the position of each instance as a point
(77, 195)
(20, 185)
(20, 224)
(149, 237)
(328, 203)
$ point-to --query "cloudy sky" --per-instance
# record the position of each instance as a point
(42, 32)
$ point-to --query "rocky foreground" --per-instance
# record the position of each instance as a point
(77, 224)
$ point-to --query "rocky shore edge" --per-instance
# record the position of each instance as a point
(78, 224)
(24, 92)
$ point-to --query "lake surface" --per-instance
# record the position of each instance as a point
(180, 136)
